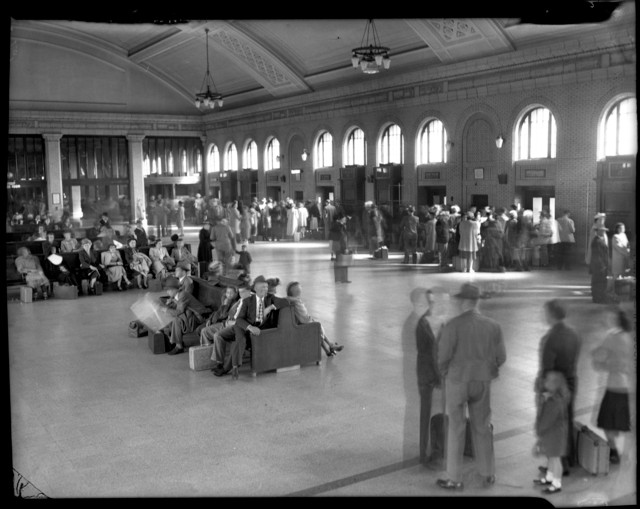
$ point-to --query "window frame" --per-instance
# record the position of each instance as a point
(320, 152)
(616, 108)
(272, 155)
(426, 147)
(381, 145)
(551, 137)
(230, 146)
(350, 145)
(250, 152)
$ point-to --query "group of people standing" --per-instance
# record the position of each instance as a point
(463, 355)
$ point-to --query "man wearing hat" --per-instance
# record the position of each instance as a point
(182, 255)
(599, 265)
(184, 279)
(256, 313)
(598, 222)
(470, 351)
(190, 313)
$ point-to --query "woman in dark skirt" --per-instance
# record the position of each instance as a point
(615, 356)
(204, 247)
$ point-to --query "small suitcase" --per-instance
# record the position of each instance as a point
(98, 288)
(382, 253)
(26, 294)
(200, 357)
(137, 329)
(65, 292)
(159, 343)
(592, 450)
(85, 286)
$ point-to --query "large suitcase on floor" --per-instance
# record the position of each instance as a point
(159, 343)
(137, 329)
(98, 288)
(382, 253)
(26, 294)
(592, 450)
(65, 292)
(438, 428)
(200, 357)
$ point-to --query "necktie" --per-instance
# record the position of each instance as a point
(260, 311)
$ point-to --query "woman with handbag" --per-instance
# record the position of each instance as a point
(161, 262)
(139, 263)
(114, 267)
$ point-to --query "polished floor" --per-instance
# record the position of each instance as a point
(95, 414)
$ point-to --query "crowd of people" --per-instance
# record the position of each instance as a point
(463, 355)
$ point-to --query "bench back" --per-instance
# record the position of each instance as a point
(208, 294)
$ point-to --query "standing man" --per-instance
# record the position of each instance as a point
(559, 351)
(599, 266)
(329, 212)
(566, 231)
(224, 241)
(470, 352)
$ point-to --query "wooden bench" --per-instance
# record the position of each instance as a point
(290, 344)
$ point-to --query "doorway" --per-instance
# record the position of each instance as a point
(432, 195)
(326, 193)
(479, 201)
(273, 193)
(538, 198)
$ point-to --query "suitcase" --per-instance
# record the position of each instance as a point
(65, 292)
(438, 432)
(137, 329)
(155, 285)
(296, 237)
(159, 343)
(592, 450)
(85, 286)
(200, 357)
(98, 288)
(382, 253)
(26, 294)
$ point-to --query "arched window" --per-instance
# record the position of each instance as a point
(272, 156)
(621, 129)
(231, 158)
(146, 166)
(251, 156)
(170, 164)
(213, 161)
(356, 148)
(198, 161)
(392, 145)
(537, 135)
(433, 143)
(324, 151)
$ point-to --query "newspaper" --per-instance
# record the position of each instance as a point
(151, 312)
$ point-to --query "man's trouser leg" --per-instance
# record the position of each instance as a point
(425, 420)
(481, 432)
(238, 346)
(207, 334)
(183, 324)
(456, 396)
(224, 340)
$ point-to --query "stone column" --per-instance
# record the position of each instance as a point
(204, 189)
(53, 170)
(136, 178)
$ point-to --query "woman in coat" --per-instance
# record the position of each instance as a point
(292, 219)
(620, 251)
(161, 262)
(338, 236)
(205, 247)
(139, 263)
(114, 267)
(234, 219)
(469, 229)
(29, 266)
(245, 223)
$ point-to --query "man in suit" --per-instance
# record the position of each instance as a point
(190, 313)
(470, 352)
(181, 255)
(184, 279)
(256, 313)
(599, 266)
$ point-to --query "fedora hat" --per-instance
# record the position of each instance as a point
(468, 291)
(259, 279)
(56, 259)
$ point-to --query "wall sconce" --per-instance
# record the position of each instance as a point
(283, 178)
(499, 141)
(305, 154)
(449, 145)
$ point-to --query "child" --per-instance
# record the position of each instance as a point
(552, 422)
(180, 219)
(69, 244)
(244, 260)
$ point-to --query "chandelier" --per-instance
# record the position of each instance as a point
(370, 57)
(208, 99)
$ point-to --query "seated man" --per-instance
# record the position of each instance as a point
(190, 313)
(184, 279)
(217, 321)
(222, 362)
(254, 314)
(294, 292)
(182, 255)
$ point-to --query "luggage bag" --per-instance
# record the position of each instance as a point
(592, 450)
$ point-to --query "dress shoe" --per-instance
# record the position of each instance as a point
(448, 484)
(551, 490)
(542, 481)
(220, 371)
(337, 348)
(176, 350)
(489, 481)
(234, 372)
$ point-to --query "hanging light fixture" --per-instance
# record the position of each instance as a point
(208, 99)
(371, 56)
(305, 154)
(499, 141)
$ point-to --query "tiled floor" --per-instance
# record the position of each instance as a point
(96, 414)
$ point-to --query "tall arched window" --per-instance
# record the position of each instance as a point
(433, 143)
(356, 148)
(621, 129)
(272, 155)
(537, 135)
(251, 155)
(213, 161)
(146, 166)
(324, 151)
(198, 161)
(231, 158)
(170, 164)
(392, 145)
